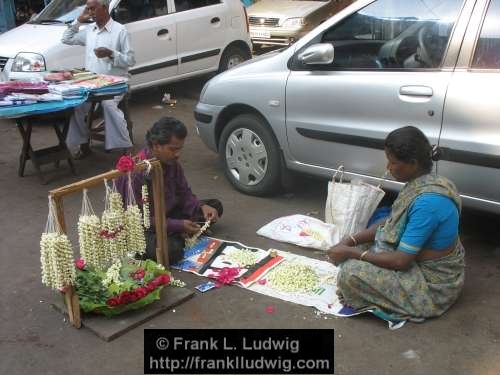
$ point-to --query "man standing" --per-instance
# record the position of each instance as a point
(107, 51)
(184, 211)
(7, 15)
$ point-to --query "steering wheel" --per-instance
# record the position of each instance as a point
(423, 54)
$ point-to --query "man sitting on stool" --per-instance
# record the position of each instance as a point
(107, 51)
(184, 211)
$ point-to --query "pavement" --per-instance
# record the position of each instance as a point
(36, 339)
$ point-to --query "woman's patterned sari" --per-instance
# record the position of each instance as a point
(426, 289)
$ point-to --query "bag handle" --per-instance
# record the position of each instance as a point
(340, 169)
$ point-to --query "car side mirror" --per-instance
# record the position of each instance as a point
(317, 54)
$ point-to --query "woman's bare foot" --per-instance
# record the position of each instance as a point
(340, 297)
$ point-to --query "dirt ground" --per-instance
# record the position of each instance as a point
(35, 339)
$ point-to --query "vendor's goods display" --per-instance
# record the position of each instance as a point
(107, 278)
(126, 285)
(58, 87)
(58, 76)
(244, 257)
(293, 276)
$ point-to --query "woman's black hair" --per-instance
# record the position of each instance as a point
(162, 131)
(410, 143)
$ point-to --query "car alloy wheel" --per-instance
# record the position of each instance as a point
(233, 61)
(246, 156)
(251, 155)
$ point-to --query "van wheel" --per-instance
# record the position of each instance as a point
(251, 155)
(231, 57)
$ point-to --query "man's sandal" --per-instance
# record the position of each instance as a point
(80, 154)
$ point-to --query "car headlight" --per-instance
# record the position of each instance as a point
(28, 62)
(294, 22)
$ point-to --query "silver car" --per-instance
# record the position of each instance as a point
(283, 22)
(331, 98)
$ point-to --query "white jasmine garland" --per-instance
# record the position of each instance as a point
(113, 274)
(145, 206)
(56, 256)
(191, 241)
(114, 226)
(136, 240)
(91, 243)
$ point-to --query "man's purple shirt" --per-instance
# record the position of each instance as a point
(180, 202)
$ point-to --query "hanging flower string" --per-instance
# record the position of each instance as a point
(89, 226)
(146, 212)
(56, 255)
(136, 239)
(113, 218)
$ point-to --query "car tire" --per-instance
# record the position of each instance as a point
(231, 57)
(250, 155)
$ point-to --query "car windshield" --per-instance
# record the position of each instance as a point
(60, 11)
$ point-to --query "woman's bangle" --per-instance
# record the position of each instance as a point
(363, 254)
(353, 240)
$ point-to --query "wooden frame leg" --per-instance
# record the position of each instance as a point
(70, 297)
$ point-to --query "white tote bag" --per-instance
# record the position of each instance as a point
(349, 205)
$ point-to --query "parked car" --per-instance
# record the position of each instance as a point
(331, 98)
(172, 39)
(283, 22)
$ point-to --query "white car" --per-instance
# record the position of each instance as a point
(172, 39)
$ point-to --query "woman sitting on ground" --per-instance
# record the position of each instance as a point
(415, 267)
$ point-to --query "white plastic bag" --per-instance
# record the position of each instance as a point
(350, 205)
(301, 230)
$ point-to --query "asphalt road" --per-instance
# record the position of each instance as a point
(35, 339)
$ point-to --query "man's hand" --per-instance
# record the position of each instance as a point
(85, 16)
(103, 52)
(190, 227)
(210, 213)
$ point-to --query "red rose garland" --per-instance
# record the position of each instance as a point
(138, 293)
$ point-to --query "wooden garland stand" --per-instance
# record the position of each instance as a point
(70, 297)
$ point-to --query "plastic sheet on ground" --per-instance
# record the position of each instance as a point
(210, 255)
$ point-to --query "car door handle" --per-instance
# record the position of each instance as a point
(416, 91)
(162, 32)
(215, 20)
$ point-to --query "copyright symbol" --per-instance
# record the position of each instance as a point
(162, 343)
